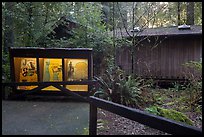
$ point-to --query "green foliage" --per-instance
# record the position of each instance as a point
(121, 89)
(5, 68)
(153, 110)
(195, 65)
(92, 34)
(101, 123)
(194, 86)
(198, 13)
(33, 21)
(85, 131)
(131, 91)
(102, 93)
(175, 115)
(170, 113)
(113, 77)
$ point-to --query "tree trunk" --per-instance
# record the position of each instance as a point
(30, 22)
(179, 13)
(8, 34)
(133, 40)
(114, 34)
(105, 11)
(190, 13)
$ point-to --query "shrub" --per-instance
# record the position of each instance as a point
(194, 86)
(131, 91)
(5, 68)
(121, 89)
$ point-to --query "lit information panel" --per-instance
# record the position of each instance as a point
(50, 65)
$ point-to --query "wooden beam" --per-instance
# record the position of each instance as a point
(157, 122)
(88, 82)
(68, 92)
(37, 89)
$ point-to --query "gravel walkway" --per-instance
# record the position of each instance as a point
(112, 124)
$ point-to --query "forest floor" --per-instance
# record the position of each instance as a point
(112, 124)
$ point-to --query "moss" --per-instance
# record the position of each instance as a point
(184, 108)
(170, 114)
(174, 115)
(198, 109)
(169, 103)
(153, 110)
(85, 131)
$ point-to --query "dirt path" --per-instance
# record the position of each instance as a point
(44, 118)
(112, 124)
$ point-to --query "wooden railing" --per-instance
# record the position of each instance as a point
(157, 122)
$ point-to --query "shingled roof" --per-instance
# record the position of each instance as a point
(162, 31)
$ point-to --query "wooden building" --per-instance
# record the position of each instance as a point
(159, 53)
(64, 28)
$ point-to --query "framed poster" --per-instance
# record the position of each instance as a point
(52, 71)
(28, 71)
(76, 70)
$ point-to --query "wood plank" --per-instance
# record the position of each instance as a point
(159, 60)
(171, 51)
(163, 61)
(174, 58)
(180, 48)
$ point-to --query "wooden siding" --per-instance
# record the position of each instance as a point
(164, 61)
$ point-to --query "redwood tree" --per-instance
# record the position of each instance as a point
(190, 13)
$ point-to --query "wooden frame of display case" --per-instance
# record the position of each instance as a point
(34, 57)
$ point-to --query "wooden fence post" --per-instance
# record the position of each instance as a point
(3, 93)
(92, 119)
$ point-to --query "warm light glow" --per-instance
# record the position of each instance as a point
(77, 87)
(76, 70)
(25, 71)
(52, 71)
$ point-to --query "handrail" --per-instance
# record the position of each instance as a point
(157, 122)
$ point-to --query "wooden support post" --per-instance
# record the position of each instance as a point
(3, 93)
(92, 120)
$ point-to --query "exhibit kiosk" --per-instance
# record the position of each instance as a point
(33, 64)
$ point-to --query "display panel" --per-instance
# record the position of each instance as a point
(25, 71)
(52, 71)
(76, 70)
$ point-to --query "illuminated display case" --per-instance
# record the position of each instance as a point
(29, 64)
